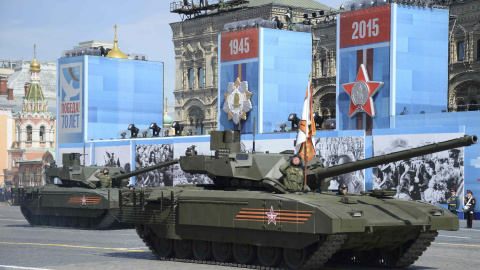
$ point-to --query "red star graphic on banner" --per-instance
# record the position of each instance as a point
(271, 216)
(361, 92)
(84, 200)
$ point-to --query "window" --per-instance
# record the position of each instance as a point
(26, 176)
(324, 67)
(190, 78)
(29, 133)
(461, 51)
(200, 77)
(42, 133)
(38, 176)
(478, 49)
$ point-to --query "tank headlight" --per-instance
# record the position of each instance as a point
(356, 214)
(438, 213)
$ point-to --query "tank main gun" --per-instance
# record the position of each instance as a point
(231, 168)
(122, 176)
(322, 173)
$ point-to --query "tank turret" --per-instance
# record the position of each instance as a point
(75, 200)
(73, 174)
(230, 167)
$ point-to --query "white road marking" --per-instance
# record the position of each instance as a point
(454, 236)
(21, 267)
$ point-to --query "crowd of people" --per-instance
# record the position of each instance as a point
(428, 179)
(149, 155)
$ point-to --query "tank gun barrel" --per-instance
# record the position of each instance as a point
(384, 159)
(144, 170)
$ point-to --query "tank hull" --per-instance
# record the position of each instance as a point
(54, 206)
(293, 223)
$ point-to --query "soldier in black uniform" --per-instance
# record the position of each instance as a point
(470, 202)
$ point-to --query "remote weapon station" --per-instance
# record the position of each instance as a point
(248, 217)
(72, 196)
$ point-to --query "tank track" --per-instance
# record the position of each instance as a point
(107, 222)
(410, 252)
(415, 250)
(322, 253)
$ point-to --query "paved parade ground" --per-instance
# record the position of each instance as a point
(26, 247)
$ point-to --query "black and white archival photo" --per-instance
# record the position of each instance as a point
(113, 156)
(427, 178)
(149, 155)
(180, 177)
(339, 150)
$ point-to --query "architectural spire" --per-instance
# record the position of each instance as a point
(34, 66)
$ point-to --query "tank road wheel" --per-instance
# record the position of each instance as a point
(222, 252)
(364, 256)
(72, 222)
(390, 256)
(243, 253)
(202, 250)
(164, 247)
(269, 256)
(53, 220)
(44, 220)
(35, 219)
(62, 221)
(183, 248)
(83, 222)
(295, 258)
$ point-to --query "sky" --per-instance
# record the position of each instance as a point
(59, 25)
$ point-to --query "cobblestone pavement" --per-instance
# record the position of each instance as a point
(26, 247)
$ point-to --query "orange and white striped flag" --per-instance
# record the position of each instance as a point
(307, 128)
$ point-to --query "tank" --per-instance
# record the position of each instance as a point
(72, 197)
(247, 217)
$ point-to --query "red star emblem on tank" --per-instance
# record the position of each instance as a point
(271, 216)
(361, 92)
(84, 200)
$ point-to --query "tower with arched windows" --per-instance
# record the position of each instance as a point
(34, 134)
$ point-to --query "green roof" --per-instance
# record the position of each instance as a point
(306, 4)
(35, 92)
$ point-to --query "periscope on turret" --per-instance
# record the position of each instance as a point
(249, 216)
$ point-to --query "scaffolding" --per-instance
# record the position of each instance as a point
(188, 9)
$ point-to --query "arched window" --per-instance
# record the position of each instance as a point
(196, 117)
(29, 133)
(190, 78)
(200, 77)
(42, 133)
(461, 51)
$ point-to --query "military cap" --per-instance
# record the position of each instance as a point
(453, 190)
(453, 153)
(469, 191)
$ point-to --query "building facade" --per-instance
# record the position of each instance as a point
(34, 134)
(196, 56)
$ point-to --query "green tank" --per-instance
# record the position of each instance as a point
(247, 216)
(72, 196)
